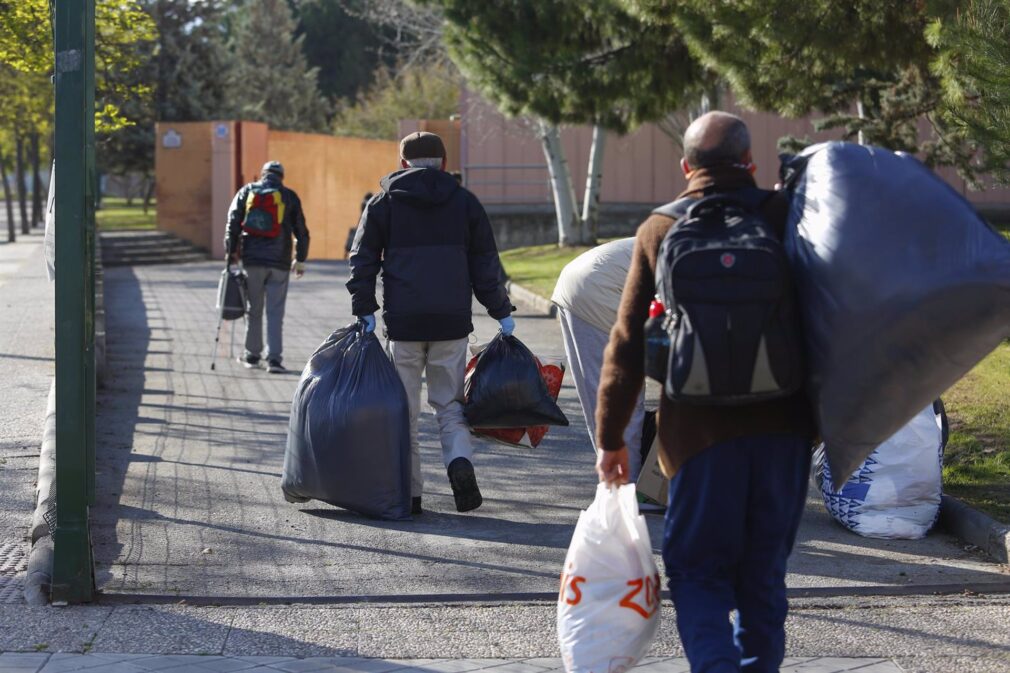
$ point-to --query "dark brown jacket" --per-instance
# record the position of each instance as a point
(684, 429)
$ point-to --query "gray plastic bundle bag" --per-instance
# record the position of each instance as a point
(349, 432)
(902, 285)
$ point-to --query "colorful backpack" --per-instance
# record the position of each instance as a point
(264, 210)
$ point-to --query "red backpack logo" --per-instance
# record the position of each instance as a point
(264, 212)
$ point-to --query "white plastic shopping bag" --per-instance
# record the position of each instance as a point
(608, 608)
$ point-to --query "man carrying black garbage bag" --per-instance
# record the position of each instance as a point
(263, 217)
(739, 470)
(433, 243)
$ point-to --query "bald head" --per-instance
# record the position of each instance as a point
(716, 138)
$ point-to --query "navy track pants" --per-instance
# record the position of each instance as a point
(731, 522)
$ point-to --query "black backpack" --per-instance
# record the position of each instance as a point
(731, 315)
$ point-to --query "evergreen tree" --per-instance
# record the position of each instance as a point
(270, 79)
(346, 49)
(570, 62)
(191, 61)
(973, 62)
(793, 58)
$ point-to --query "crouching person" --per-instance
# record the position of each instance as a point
(433, 243)
(738, 472)
(587, 295)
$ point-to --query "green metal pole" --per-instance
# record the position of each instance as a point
(72, 565)
(90, 199)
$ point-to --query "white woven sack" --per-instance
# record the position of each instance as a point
(895, 494)
(608, 607)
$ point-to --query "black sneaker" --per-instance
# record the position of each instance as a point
(250, 361)
(275, 367)
(464, 485)
(415, 505)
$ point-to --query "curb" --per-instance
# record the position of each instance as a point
(531, 301)
(975, 528)
(40, 558)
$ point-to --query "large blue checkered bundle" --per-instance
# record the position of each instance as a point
(896, 492)
(902, 286)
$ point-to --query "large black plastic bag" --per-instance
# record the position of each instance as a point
(349, 432)
(903, 288)
(505, 389)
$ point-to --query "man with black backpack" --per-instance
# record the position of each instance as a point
(263, 218)
(735, 428)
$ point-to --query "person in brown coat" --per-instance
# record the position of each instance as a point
(738, 473)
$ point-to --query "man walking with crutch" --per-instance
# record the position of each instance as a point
(263, 218)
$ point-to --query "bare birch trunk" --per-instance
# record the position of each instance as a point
(594, 178)
(861, 112)
(561, 185)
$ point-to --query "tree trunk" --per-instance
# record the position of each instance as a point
(38, 209)
(594, 177)
(19, 178)
(9, 200)
(561, 185)
(861, 113)
(148, 192)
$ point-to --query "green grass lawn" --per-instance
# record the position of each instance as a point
(536, 268)
(115, 214)
(977, 464)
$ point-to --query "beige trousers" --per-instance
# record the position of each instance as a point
(443, 364)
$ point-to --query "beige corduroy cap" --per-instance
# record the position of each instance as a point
(422, 145)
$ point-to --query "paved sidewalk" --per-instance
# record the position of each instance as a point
(139, 663)
(27, 366)
(956, 634)
(190, 459)
(198, 554)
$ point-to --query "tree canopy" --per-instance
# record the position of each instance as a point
(794, 57)
(865, 64)
(26, 53)
(973, 63)
(270, 79)
(342, 45)
(568, 61)
(429, 91)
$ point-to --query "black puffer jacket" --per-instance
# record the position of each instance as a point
(433, 243)
(261, 251)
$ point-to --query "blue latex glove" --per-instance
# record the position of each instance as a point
(508, 325)
(369, 321)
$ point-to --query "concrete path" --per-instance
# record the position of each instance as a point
(963, 634)
(190, 462)
(26, 369)
(120, 663)
(198, 554)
